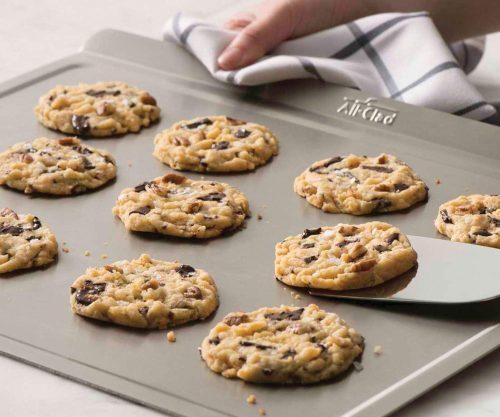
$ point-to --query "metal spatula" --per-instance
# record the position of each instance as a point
(447, 273)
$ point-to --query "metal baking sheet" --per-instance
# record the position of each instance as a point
(423, 345)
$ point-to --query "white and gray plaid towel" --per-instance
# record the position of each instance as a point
(394, 55)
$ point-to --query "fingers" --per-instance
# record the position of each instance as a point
(259, 36)
(240, 21)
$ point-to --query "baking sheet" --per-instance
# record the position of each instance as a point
(422, 345)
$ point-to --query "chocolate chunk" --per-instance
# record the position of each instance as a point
(193, 292)
(310, 259)
(89, 292)
(212, 197)
(495, 221)
(347, 174)
(144, 310)
(174, 178)
(290, 353)
(308, 245)
(140, 210)
(36, 223)
(381, 248)
(87, 164)
(202, 122)
(147, 98)
(242, 133)
(378, 168)
(482, 232)
(346, 242)
(8, 212)
(400, 187)
(285, 315)
(82, 149)
(11, 230)
(267, 371)
(331, 161)
(30, 238)
(142, 187)
(72, 290)
(445, 216)
(322, 347)
(81, 125)
(101, 93)
(392, 238)
(247, 343)
(221, 145)
(310, 232)
(235, 320)
(214, 341)
(381, 204)
(185, 271)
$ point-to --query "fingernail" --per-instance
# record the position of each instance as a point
(230, 58)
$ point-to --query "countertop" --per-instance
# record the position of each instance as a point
(35, 32)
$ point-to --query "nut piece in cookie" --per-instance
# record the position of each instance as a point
(178, 206)
(144, 293)
(361, 185)
(215, 144)
(282, 345)
(63, 166)
(471, 219)
(344, 257)
(97, 110)
(24, 242)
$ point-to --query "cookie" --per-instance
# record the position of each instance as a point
(144, 293)
(360, 185)
(281, 345)
(24, 242)
(177, 206)
(55, 166)
(215, 144)
(471, 219)
(97, 110)
(344, 257)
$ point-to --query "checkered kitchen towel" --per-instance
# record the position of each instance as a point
(394, 55)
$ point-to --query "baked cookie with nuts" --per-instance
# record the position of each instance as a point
(24, 242)
(55, 166)
(282, 345)
(178, 206)
(145, 293)
(344, 257)
(471, 219)
(215, 144)
(361, 185)
(97, 110)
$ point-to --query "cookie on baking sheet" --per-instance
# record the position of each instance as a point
(360, 184)
(177, 206)
(145, 293)
(215, 144)
(471, 219)
(344, 257)
(97, 110)
(281, 345)
(24, 242)
(55, 166)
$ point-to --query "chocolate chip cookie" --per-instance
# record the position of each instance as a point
(282, 345)
(344, 257)
(97, 110)
(471, 219)
(24, 242)
(55, 166)
(360, 185)
(177, 206)
(145, 293)
(215, 144)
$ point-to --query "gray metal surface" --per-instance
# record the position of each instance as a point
(423, 344)
(443, 275)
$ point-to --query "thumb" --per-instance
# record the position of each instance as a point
(259, 37)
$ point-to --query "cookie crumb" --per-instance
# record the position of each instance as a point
(358, 366)
(297, 297)
(130, 164)
(259, 217)
(377, 350)
(251, 399)
(171, 336)
(86, 253)
(104, 256)
(105, 243)
(438, 181)
(65, 250)
(262, 412)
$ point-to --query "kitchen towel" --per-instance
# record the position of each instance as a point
(400, 56)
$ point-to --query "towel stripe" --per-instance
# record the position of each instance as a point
(468, 109)
(310, 68)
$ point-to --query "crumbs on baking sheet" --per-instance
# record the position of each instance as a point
(251, 399)
(171, 337)
(378, 350)
(262, 412)
(438, 181)
(104, 256)
(86, 253)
